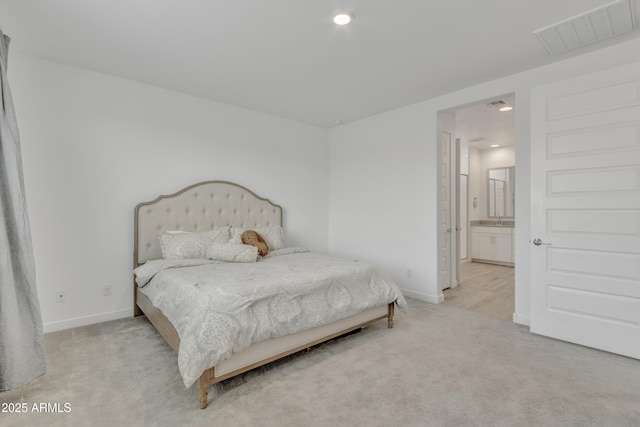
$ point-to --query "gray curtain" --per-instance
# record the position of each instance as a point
(21, 340)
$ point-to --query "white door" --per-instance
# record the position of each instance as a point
(464, 217)
(585, 189)
(444, 218)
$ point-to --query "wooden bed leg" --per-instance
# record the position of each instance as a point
(390, 319)
(203, 389)
(137, 311)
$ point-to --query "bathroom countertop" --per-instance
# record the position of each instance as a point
(505, 223)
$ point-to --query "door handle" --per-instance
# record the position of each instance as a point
(539, 242)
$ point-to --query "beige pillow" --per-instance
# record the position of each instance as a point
(232, 252)
(188, 245)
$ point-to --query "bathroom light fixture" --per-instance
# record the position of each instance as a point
(343, 18)
(495, 145)
(506, 108)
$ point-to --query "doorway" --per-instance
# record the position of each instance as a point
(484, 133)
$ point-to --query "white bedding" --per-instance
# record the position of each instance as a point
(219, 308)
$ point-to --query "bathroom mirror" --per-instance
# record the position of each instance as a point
(501, 192)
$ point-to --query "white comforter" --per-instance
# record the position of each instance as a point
(219, 308)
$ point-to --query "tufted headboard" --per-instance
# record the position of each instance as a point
(199, 207)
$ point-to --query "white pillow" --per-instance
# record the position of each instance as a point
(273, 235)
(186, 245)
(218, 234)
(232, 252)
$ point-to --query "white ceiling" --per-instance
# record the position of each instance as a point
(286, 57)
(481, 125)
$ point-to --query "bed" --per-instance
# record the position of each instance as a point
(288, 312)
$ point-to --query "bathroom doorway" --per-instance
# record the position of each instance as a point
(485, 139)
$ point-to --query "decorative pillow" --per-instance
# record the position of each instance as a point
(185, 245)
(219, 234)
(232, 252)
(252, 238)
(272, 234)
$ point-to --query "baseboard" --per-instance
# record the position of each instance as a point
(433, 299)
(521, 320)
(84, 321)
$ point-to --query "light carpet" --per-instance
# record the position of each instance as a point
(439, 366)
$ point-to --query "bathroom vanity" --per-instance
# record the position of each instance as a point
(492, 242)
(492, 238)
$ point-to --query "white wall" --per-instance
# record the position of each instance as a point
(497, 158)
(94, 146)
(383, 183)
(382, 195)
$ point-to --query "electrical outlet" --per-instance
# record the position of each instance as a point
(106, 290)
(61, 295)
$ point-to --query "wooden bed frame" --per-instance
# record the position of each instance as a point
(201, 207)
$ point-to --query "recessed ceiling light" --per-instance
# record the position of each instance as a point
(506, 108)
(343, 18)
(495, 145)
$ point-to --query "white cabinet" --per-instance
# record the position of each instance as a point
(492, 244)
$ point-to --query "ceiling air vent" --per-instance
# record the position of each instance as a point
(612, 19)
(496, 104)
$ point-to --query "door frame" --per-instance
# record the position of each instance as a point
(446, 124)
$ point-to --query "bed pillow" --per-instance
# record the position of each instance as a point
(219, 234)
(273, 235)
(250, 237)
(232, 252)
(187, 245)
